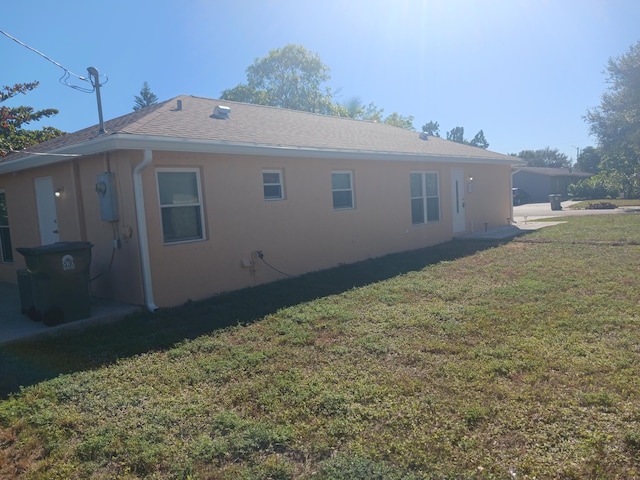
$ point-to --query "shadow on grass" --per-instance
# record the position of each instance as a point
(30, 361)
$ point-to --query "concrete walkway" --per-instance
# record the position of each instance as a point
(14, 325)
(527, 217)
(522, 222)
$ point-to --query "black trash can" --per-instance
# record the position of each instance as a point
(59, 275)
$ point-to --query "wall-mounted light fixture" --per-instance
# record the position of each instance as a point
(470, 184)
(58, 192)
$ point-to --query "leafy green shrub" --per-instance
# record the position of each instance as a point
(599, 186)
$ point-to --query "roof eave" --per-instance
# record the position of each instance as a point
(124, 141)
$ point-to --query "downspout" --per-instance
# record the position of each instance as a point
(143, 241)
(513, 172)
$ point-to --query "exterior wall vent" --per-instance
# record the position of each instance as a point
(221, 111)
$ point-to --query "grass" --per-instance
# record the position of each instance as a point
(464, 361)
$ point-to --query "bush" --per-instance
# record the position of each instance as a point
(599, 186)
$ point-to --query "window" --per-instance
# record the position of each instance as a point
(425, 198)
(272, 185)
(342, 189)
(180, 205)
(6, 252)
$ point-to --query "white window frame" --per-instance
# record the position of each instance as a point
(337, 190)
(6, 257)
(199, 205)
(280, 183)
(425, 198)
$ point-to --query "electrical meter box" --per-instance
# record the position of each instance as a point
(106, 189)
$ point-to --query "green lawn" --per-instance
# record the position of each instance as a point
(469, 360)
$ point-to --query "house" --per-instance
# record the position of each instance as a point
(540, 182)
(185, 199)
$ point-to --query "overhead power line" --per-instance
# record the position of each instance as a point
(67, 73)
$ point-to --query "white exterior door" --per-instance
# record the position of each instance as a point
(46, 205)
(457, 200)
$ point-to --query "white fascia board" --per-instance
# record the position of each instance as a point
(204, 146)
(123, 141)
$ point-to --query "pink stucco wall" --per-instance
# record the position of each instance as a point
(299, 234)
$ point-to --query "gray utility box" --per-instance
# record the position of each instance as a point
(59, 281)
(106, 190)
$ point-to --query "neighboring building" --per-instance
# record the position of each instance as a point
(540, 182)
(178, 198)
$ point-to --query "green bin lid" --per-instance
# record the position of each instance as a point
(58, 247)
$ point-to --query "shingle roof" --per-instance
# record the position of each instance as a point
(555, 172)
(262, 126)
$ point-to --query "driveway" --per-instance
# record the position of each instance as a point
(523, 216)
(536, 211)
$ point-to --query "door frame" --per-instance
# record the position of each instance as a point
(46, 208)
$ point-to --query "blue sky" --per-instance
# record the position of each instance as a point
(524, 71)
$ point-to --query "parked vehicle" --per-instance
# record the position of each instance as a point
(520, 197)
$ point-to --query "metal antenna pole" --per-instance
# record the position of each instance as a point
(94, 73)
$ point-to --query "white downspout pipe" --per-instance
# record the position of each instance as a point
(513, 172)
(143, 241)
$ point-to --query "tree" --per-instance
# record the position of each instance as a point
(456, 134)
(431, 128)
(479, 141)
(589, 160)
(545, 157)
(616, 122)
(12, 119)
(354, 108)
(401, 121)
(146, 98)
(290, 77)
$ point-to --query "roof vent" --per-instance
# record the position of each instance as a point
(179, 106)
(424, 136)
(221, 112)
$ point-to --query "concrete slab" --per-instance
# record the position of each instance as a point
(527, 217)
(535, 211)
(14, 325)
(506, 232)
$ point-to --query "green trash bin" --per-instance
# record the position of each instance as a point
(59, 275)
